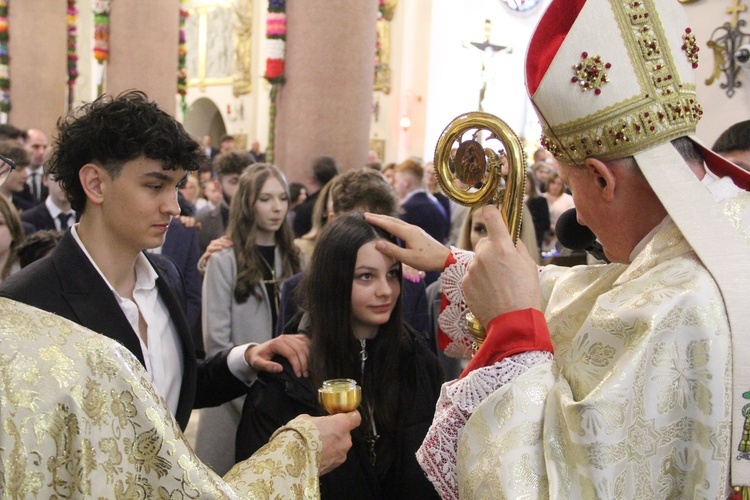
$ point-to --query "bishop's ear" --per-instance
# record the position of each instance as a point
(603, 178)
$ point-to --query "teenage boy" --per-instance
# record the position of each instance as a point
(120, 160)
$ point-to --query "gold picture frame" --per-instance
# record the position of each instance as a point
(216, 55)
(378, 146)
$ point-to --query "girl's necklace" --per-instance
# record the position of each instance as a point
(371, 435)
(273, 281)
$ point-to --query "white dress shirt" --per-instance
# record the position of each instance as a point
(55, 212)
(163, 354)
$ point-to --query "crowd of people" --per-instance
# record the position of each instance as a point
(145, 275)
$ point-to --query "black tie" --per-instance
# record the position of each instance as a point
(63, 218)
(34, 189)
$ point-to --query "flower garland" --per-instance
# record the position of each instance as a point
(72, 19)
(101, 30)
(4, 60)
(276, 40)
(182, 59)
(275, 48)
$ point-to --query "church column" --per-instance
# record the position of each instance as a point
(38, 65)
(143, 50)
(325, 105)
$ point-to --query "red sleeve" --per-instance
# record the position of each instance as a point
(443, 339)
(512, 333)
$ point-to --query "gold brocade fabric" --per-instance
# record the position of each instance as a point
(635, 404)
(80, 419)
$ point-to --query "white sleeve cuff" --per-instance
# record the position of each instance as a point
(239, 366)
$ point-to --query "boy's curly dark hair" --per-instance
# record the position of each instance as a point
(112, 131)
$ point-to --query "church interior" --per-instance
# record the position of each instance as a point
(335, 78)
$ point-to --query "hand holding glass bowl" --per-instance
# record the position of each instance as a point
(340, 395)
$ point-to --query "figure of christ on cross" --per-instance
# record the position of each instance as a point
(488, 52)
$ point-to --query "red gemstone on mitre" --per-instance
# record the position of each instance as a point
(688, 30)
(598, 91)
(584, 55)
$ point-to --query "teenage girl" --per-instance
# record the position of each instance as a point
(241, 290)
(354, 321)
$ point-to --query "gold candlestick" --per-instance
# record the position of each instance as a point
(340, 395)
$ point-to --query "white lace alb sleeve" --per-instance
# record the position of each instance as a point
(452, 319)
(458, 400)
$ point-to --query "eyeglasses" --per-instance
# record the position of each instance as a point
(6, 166)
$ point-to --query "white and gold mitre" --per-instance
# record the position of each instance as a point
(610, 78)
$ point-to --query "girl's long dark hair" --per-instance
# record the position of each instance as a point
(335, 353)
(241, 230)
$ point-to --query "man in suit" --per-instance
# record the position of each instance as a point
(120, 160)
(257, 155)
(36, 145)
(419, 207)
(55, 213)
(324, 169)
(208, 148)
(213, 220)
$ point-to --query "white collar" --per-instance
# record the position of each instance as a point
(145, 275)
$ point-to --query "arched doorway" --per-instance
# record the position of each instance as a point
(204, 118)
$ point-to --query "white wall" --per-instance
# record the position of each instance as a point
(454, 71)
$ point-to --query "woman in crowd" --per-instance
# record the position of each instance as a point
(356, 330)
(241, 291)
(559, 201)
(539, 209)
(191, 191)
(11, 237)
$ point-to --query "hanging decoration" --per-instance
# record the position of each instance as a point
(72, 21)
(182, 81)
(276, 40)
(275, 48)
(4, 60)
(101, 40)
(101, 30)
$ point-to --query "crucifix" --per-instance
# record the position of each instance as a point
(488, 52)
(735, 11)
